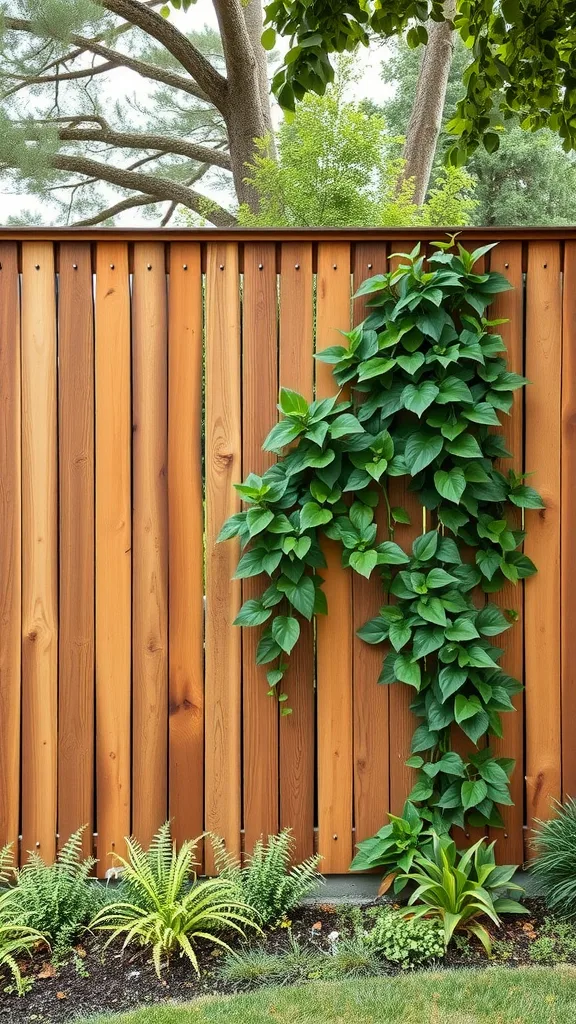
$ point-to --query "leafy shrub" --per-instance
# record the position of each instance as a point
(159, 907)
(267, 883)
(394, 845)
(56, 900)
(405, 941)
(460, 888)
(554, 864)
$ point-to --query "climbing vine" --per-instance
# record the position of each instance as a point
(429, 384)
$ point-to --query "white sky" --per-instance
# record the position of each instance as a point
(369, 84)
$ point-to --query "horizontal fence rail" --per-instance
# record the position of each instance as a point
(139, 374)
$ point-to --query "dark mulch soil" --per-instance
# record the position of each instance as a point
(95, 981)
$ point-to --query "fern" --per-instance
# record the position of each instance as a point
(162, 905)
(267, 882)
(57, 900)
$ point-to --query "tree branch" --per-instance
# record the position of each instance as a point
(149, 184)
(127, 204)
(115, 59)
(163, 143)
(209, 79)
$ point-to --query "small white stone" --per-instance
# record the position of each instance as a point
(334, 936)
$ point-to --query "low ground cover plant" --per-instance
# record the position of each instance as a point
(406, 941)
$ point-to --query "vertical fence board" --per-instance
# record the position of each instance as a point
(186, 543)
(371, 742)
(149, 542)
(507, 259)
(334, 636)
(568, 520)
(542, 545)
(113, 550)
(223, 595)
(39, 550)
(76, 465)
(10, 546)
(296, 371)
(402, 721)
(259, 397)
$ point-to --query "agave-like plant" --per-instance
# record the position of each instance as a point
(460, 888)
(164, 906)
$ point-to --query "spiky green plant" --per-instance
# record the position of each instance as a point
(267, 883)
(458, 889)
(57, 900)
(162, 905)
(554, 864)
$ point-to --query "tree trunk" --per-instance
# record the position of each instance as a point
(247, 110)
(426, 117)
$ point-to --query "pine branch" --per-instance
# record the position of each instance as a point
(208, 78)
(133, 140)
(131, 202)
(150, 184)
(114, 59)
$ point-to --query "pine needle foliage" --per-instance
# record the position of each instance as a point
(267, 883)
(554, 864)
(56, 900)
(162, 905)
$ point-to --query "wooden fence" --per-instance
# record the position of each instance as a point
(121, 702)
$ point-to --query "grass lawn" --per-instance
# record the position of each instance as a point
(493, 996)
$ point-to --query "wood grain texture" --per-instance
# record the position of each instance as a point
(185, 544)
(507, 259)
(296, 371)
(76, 478)
(39, 550)
(568, 520)
(371, 739)
(402, 722)
(333, 632)
(259, 398)
(149, 542)
(10, 546)
(113, 551)
(542, 545)
(223, 594)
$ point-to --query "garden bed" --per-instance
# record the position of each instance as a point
(97, 981)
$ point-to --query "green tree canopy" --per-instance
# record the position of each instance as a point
(522, 59)
(528, 180)
(337, 166)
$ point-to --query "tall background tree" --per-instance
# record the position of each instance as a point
(68, 124)
(529, 179)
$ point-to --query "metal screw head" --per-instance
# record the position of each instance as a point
(37, 266)
(74, 266)
(334, 836)
(506, 265)
(148, 266)
(260, 266)
(334, 266)
(37, 844)
(296, 266)
(184, 266)
(545, 266)
(369, 266)
(221, 266)
(111, 266)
